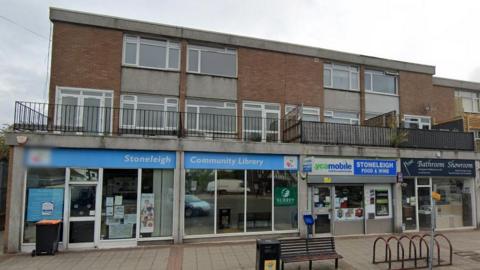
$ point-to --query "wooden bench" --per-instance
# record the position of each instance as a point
(314, 249)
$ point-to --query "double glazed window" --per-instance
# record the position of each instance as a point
(380, 82)
(419, 122)
(211, 116)
(311, 114)
(237, 201)
(469, 101)
(341, 76)
(83, 110)
(148, 112)
(151, 53)
(261, 122)
(212, 61)
(342, 117)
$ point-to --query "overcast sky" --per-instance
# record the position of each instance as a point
(434, 32)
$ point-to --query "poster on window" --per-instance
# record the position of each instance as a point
(45, 203)
(347, 214)
(147, 213)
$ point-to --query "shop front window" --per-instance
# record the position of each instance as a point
(119, 204)
(409, 202)
(455, 207)
(199, 202)
(285, 207)
(349, 211)
(39, 180)
(156, 203)
(230, 201)
(259, 201)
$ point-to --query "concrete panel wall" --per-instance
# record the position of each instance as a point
(381, 103)
(342, 100)
(204, 86)
(379, 226)
(150, 81)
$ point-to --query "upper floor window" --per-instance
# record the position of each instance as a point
(148, 112)
(381, 82)
(311, 114)
(468, 100)
(340, 76)
(342, 117)
(212, 61)
(261, 121)
(151, 53)
(415, 121)
(211, 116)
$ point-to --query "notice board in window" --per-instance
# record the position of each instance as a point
(45, 203)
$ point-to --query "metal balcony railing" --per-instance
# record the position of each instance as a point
(107, 121)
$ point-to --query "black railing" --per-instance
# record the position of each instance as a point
(104, 121)
(345, 134)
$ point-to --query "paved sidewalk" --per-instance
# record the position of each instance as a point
(357, 253)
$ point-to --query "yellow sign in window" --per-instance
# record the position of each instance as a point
(436, 196)
(270, 265)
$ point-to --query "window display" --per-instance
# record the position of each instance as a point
(348, 203)
(199, 202)
(455, 207)
(230, 200)
(381, 202)
(259, 201)
(286, 214)
(119, 204)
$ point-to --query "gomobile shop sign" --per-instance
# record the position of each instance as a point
(203, 160)
(99, 158)
(359, 167)
(437, 167)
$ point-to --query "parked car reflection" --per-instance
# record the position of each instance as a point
(194, 206)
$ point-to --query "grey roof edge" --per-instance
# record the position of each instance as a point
(106, 21)
(456, 83)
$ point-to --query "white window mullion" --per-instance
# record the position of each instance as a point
(273, 201)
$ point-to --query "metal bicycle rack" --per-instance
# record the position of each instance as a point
(416, 244)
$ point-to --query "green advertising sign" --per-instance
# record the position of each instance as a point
(285, 196)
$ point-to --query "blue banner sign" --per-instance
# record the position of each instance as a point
(437, 167)
(375, 167)
(202, 160)
(45, 203)
(100, 158)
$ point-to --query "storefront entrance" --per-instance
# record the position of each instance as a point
(321, 205)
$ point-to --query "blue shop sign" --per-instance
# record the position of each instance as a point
(202, 160)
(45, 203)
(438, 167)
(100, 158)
(375, 167)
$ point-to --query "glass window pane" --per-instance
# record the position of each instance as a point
(82, 201)
(156, 203)
(40, 178)
(230, 201)
(327, 77)
(349, 211)
(173, 58)
(152, 56)
(409, 201)
(354, 81)
(259, 201)
(193, 60)
(127, 114)
(131, 53)
(341, 79)
(384, 83)
(199, 202)
(218, 63)
(285, 200)
(455, 207)
(119, 204)
(368, 82)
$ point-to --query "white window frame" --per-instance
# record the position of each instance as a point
(304, 110)
(353, 70)
(331, 114)
(81, 98)
(226, 105)
(135, 103)
(200, 49)
(416, 119)
(169, 45)
(371, 72)
(473, 97)
(261, 107)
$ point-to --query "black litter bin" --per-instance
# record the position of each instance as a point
(268, 255)
(48, 236)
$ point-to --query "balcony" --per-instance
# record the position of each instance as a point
(106, 121)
